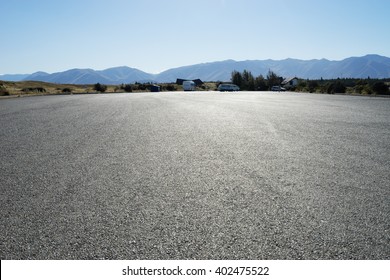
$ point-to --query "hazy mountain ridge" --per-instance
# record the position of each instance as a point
(14, 77)
(374, 66)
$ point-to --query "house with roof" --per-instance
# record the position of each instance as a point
(290, 82)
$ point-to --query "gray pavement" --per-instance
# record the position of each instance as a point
(201, 175)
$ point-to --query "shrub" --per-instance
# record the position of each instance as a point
(66, 90)
(34, 89)
(362, 89)
(127, 88)
(336, 87)
(139, 86)
(170, 87)
(380, 88)
(312, 86)
(3, 91)
(302, 85)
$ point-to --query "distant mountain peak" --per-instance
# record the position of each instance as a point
(40, 73)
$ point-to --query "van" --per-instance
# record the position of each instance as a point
(188, 85)
(228, 87)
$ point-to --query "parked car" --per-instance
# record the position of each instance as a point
(278, 88)
(228, 87)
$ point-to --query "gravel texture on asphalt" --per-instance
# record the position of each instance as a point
(201, 175)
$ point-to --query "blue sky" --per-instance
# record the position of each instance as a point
(155, 35)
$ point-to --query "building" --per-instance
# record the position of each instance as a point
(198, 82)
(290, 82)
(155, 88)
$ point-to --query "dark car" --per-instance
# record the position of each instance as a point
(278, 88)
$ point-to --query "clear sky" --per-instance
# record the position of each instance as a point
(155, 35)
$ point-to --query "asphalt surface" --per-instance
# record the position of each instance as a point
(201, 175)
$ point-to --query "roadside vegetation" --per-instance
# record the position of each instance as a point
(3, 90)
(349, 86)
(245, 80)
(42, 88)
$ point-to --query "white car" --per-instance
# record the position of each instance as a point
(228, 87)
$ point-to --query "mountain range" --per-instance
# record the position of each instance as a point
(373, 66)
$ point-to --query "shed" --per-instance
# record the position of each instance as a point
(197, 82)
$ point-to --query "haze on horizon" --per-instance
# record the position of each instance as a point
(153, 35)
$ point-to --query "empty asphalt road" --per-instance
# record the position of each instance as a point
(201, 175)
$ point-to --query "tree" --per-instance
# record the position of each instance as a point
(248, 80)
(260, 83)
(100, 87)
(244, 80)
(237, 78)
(273, 79)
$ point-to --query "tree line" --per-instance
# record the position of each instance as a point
(366, 86)
(247, 81)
